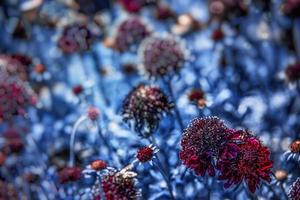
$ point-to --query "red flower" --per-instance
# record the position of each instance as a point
(120, 185)
(145, 154)
(134, 6)
(201, 142)
(244, 158)
(98, 165)
(217, 35)
(77, 89)
(145, 105)
(294, 193)
(292, 72)
(130, 32)
(69, 174)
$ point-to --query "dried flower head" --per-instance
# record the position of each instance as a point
(244, 158)
(75, 38)
(281, 175)
(130, 33)
(292, 72)
(294, 152)
(291, 8)
(161, 56)
(201, 143)
(93, 113)
(69, 174)
(294, 193)
(144, 106)
(295, 146)
(120, 185)
(145, 154)
(15, 97)
(98, 165)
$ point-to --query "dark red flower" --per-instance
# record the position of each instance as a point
(145, 154)
(164, 12)
(69, 174)
(217, 35)
(134, 6)
(197, 97)
(98, 165)
(201, 143)
(145, 105)
(15, 97)
(227, 9)
(292, 72)
(130, 33)
(161, 56)
(75, 38)
(77, 89)
(291, 8)
(120, 185)
(294, 193)
(244, 158)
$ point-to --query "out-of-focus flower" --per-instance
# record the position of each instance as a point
(134, 6)
(15, 97)
(2, 158)
(201, 143)
(91, 7)
(130, 33)
(186, 23)
(292, 72)
(93, 113)
(291, 8)
(129, 68)
(197, 97)
(164, 12)
(217, 35)
(226, 9)
(294, 193)
(8, 191)
(15, 65)
(39, 68)
(145, 105)
(31, 177)
(75, 38)
(69, 174)
(118, 185)
(161, 56)
(145, 154)
(98, 165)
(77, 90)
(244, 158)
(294, 152)
(281, 175)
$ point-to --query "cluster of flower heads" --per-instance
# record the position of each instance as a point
(161, 56)
(131, 31)
(145, 105)
(76, 38)
(15, 97)
(208, 145)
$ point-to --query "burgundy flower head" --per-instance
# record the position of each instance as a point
(291, 8)
(15, 97)
(144, 106)
(294, 193)
(201, 143)
(244, 158)
(134, 6)
(69, 174)
(120, 185)
(75, 38)
(292, 72)
(161, 56)
(145, 154)
(130, 33)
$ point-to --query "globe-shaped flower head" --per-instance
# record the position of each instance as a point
(75, 38)
(244, 158)
(161, 56)
(130, 33)
(120, 185)
(201, 143)
(144, 106)
(15, 97)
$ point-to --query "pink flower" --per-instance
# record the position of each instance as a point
(69, 174)
(93, 113)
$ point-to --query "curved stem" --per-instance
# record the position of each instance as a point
(72, 140)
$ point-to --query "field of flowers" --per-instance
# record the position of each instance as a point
(149, 99)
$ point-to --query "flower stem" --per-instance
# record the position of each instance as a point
(72, 140)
